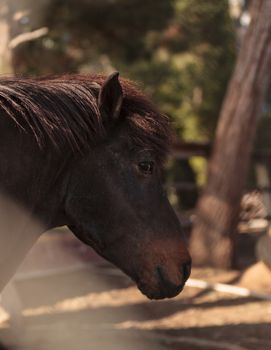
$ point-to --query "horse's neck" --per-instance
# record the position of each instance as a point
(18, 233)
(34, 180)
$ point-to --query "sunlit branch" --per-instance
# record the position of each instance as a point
(25, 37)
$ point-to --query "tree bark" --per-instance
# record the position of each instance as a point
(13, 33)
(5, 52)
(213, 236)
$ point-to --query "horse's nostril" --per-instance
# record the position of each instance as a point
(186, 271)
(160, 274)
(170, 283)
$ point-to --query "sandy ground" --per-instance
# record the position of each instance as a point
(71, 299)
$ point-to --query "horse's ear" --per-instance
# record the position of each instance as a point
(110, 97)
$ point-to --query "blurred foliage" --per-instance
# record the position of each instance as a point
(181, 51)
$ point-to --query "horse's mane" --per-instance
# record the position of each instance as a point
(64, 110)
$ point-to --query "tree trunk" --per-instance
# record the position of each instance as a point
(13, 32)
(213, 236)
(5, 52)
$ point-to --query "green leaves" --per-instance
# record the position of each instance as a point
(182, 51)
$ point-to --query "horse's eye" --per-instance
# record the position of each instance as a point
(146, 167)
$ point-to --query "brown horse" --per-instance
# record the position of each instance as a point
(87, 152)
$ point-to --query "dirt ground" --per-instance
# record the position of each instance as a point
(71, 299)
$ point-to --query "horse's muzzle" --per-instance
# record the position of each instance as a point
(164, 287)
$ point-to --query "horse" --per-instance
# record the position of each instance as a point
(88, 152)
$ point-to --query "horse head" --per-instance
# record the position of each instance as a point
(115, 201)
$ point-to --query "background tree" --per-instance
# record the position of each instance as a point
(6, 25)
(17, 20)
(217, 212)
(176, 55)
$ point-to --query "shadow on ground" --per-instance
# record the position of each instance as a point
(97, 307)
